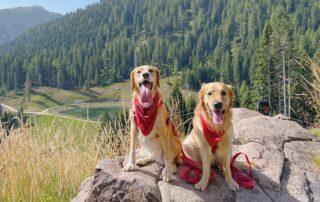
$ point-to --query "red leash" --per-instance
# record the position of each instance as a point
(243, 179)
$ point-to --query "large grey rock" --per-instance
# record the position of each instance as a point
(283, 195)
(313, 186)
(239, 114)
(300, 156)
(112, 184)
(267, 163)
(269, 131)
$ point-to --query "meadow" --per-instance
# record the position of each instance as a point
(48, 161)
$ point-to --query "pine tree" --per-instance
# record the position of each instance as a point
(263, 76)
(244, 94)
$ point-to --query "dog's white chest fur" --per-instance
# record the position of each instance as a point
(152, 146)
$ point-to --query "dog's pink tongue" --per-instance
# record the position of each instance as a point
(146, 97)
(217, 117)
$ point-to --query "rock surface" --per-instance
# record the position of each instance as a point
(281, 153)
(267, 163)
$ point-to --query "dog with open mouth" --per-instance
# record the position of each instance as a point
(148, 116)
(210, 141)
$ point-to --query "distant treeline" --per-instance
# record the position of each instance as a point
(244, 43)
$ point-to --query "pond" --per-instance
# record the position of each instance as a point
(93, 113)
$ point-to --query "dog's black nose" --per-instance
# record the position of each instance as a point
(145, 75)
(218, 105)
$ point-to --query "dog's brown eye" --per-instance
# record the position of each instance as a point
(209, 93)
(151, 71)
(138, 72)
(223, 93)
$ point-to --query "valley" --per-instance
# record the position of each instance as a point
(79, 104)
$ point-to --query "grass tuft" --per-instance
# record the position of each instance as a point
(317, 162)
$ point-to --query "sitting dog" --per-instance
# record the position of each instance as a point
(149, 116)
(211, 138)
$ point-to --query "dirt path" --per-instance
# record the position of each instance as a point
(7, 107)
(45, 112)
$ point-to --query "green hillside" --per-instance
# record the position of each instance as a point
(15, 21)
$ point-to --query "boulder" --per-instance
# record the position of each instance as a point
(300, 156)
(269, 131)
(239, 114)
(112, 184)
(313, 186)
(267, 163)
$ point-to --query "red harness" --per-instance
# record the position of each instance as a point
(145, 117)
(191, 171)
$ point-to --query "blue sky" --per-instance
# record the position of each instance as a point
(58, 6)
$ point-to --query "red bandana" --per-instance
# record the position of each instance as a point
(212, 136)
(145, 117)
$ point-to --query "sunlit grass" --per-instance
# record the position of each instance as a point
(317, 162)
(312, 84)
(48, 161)
(315, 131)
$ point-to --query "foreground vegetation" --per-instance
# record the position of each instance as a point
(48, 161)
(312, 86)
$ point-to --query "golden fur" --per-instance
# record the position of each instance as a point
(196, 146)
(161, 144)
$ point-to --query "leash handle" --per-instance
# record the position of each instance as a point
(247, 159)
(243, 179)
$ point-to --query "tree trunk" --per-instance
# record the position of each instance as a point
(284, 81)
(289, 95)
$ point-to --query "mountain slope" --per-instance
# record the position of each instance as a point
(215, 39)
(14, 21)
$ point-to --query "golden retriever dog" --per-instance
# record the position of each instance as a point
(214, 106)
(160, 143)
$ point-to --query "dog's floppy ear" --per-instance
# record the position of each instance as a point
(133, 83)
(201, 96)
(231, 95)
(157, 76)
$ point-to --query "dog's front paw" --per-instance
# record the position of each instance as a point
(201, 185)
(233, 185)
(166, 175)
(129, 167)
(143, 161)
(173, 168)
